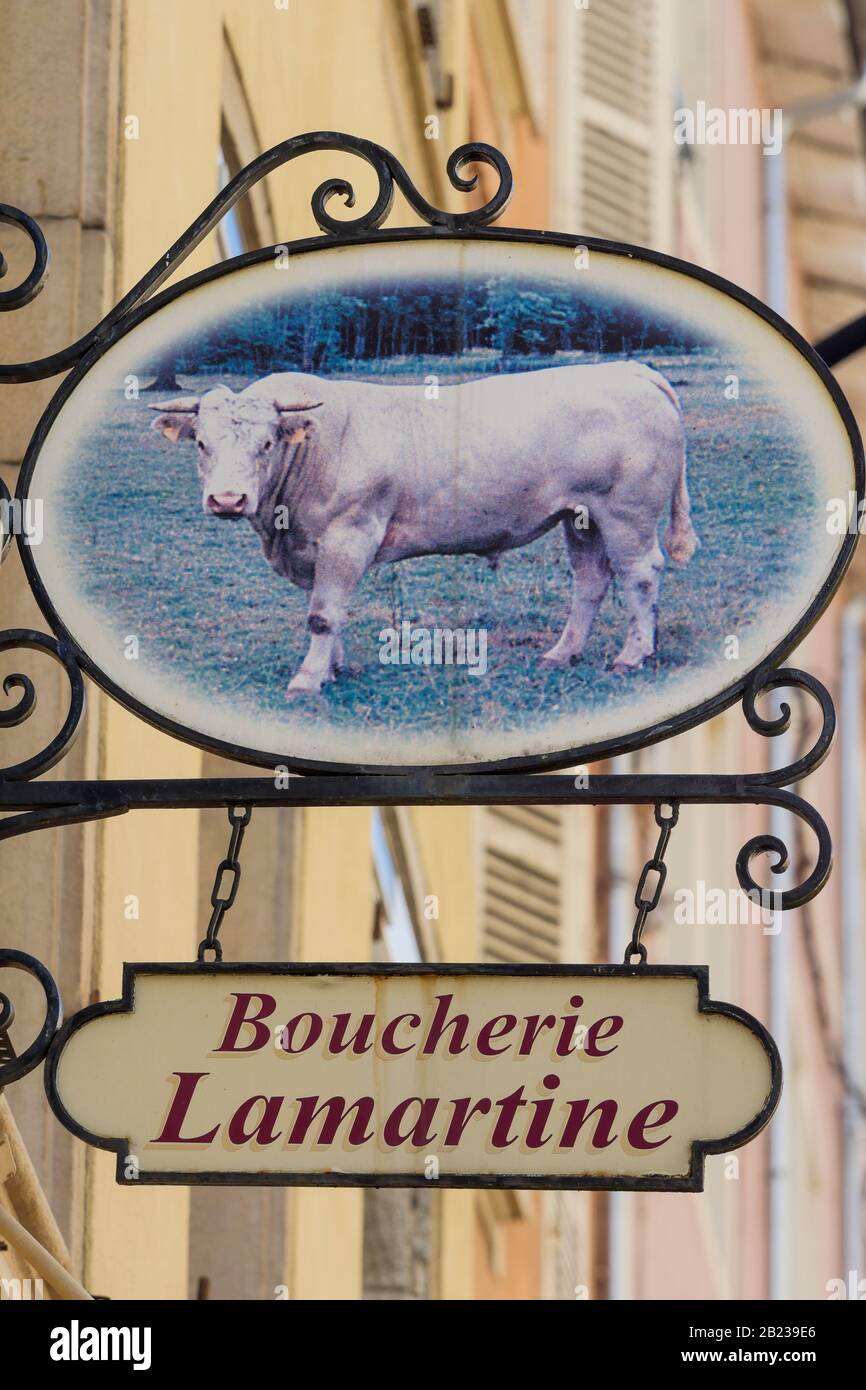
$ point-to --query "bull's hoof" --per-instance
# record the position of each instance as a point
(304, 685)
(624, 668)
(558, 661)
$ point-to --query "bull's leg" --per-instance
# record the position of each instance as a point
(343, 556)
(637, 563)
(591, 571)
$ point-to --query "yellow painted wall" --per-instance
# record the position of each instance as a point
(446, 838)
(335, 921)
(341, 66)
(168, 173)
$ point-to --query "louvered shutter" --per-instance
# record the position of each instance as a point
(521, 913)
(614, 155)
(562, 1215)
(537, 907)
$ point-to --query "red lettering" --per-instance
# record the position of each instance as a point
(569, 1024)
(489, 1030)
(187, 1082)
(263, 1131)
(336, 1112)
(389, 1046)
(534, 1024)
(508, 1108)
(440, 1024)
(594, 1035)
(579, 1113)
(535, 1136)
(314, 1032)
(339, 1042)
(463, 1112)
(419, 1135)
(261, 1033)
(642, 1122)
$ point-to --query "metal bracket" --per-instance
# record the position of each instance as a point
(39, 805)
(27, 804)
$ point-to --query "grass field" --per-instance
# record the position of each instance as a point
(208, 610)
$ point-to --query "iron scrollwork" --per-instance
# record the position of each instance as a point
(762, 683)
(23, 639)
(389, 172)
(43, 804)
(12, 1066)
(28, 804)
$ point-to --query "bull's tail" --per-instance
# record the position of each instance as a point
(680, 540)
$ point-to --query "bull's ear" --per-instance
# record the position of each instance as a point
(175, 425)
(294, 427)
(177, 418)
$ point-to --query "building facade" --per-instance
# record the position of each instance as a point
(119, 120)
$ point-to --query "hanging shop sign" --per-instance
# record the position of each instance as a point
(502, 502)
(595, 1076)
(456, 501)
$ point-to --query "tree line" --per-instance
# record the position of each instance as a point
(330, 331)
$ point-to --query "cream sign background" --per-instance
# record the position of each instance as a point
(484, 394)
(602, 1076)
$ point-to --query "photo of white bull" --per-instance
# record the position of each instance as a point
(336, 476)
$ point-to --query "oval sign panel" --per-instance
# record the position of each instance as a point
(433, 501)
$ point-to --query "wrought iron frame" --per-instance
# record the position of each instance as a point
(27, 804)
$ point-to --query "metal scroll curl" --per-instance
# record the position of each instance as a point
(767, 679)
(800, 893)
(773, 783)
(25, 638)
(13, 1067)
(27, 290)
(389, 172)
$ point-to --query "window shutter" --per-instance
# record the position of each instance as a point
(537, 906)
(562, 1215)
(521, 918)
(615, 122)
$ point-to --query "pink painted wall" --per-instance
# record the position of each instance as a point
(681, 1251)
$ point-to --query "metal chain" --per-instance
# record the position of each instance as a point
(239, 819)
(645, 904)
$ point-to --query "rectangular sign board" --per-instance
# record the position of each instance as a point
(462, 1076)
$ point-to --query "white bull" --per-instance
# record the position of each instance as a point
(337, 476)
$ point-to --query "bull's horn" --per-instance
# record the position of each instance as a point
(308, 404)
(183, 405)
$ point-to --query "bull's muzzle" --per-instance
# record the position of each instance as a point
(231, 504)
